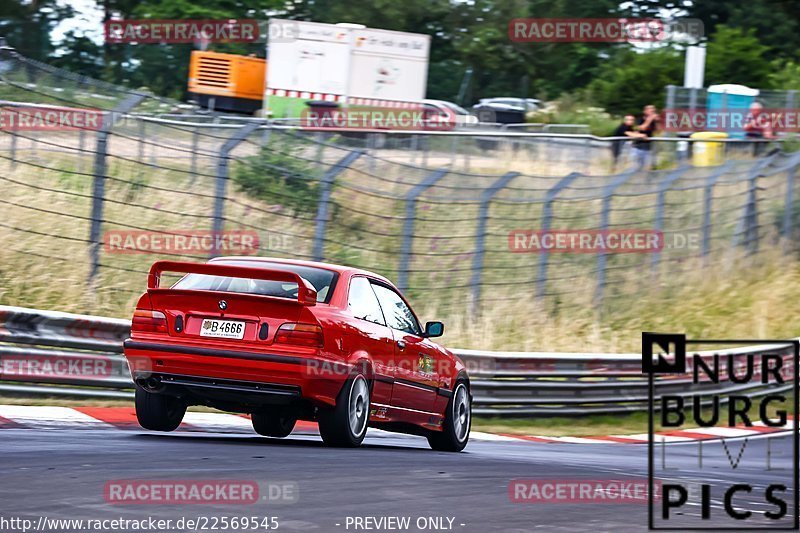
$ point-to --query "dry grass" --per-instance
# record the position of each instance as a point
(745, 298)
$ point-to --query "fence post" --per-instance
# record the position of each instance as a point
(408, 225)
(99, 182)
(325, 190)
(547, 217)
(221, 185)
(692, 99)
(748, 224)
(81, 147)
(320, 140)
(751, 216)
(708, 198)
(788, 210)
(658, 224)
(671, 96)
(607, 195)
(140, 147)
(13, 149)
(193, 169)
(480, 236)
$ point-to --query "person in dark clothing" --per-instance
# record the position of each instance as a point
(642, 147)
(625, 129)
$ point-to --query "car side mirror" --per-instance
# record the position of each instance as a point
(434, 329)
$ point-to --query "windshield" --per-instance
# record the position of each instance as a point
(455, 107)
(322, 280)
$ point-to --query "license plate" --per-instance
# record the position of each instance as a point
(225, 329)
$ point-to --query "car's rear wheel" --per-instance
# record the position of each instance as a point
(346, 424)
(159, 412)
(457, 422)
(273, 423)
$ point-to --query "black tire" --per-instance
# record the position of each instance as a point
(346, 424)
(457, 422)
(159, 412)
(273, 423)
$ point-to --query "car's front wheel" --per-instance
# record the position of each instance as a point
(346, 424)
(273, 423)
(159, 412)
(457, 422)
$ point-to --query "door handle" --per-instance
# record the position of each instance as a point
(401, 344)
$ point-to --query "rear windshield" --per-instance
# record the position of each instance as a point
(323, 281)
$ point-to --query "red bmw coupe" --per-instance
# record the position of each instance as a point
(294, 340)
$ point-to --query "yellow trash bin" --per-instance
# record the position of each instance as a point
(708, 154)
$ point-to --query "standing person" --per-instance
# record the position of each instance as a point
(625, 129)
(642, 147)
(757, 125)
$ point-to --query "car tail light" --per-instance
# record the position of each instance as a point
(299, 334)
(149, 321)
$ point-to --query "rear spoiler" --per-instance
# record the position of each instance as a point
(306, 294)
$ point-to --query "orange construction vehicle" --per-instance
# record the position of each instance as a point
(227, 82)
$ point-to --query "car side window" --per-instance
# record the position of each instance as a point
(362, 301)
(398, 314)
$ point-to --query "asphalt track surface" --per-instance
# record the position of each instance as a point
(62, 474)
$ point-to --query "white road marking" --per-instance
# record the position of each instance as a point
(49, 417)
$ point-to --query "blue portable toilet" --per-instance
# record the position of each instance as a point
(730, 97)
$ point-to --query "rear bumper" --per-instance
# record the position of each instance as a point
(249, 392)
(246, 375)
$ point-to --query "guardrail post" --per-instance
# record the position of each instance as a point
(480, 236)
(408, 224)
(221, 184)
(788, 210)
(607, 195)
(326, 188)
(99, 185)
(547, 217)
(658, 223)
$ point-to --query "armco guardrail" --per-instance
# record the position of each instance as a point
(52, 353)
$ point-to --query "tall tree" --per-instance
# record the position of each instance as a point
(26, 25)
(737, 56)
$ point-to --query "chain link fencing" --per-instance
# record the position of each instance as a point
(449, 216)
